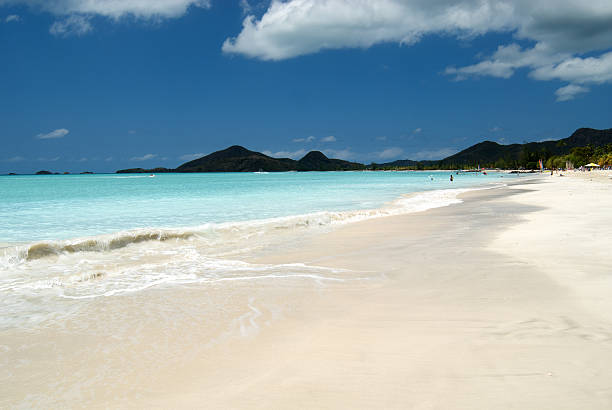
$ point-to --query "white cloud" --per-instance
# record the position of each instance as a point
(546, 64)
(82, 159)
(569, 92)
(108, 159)
(286, 154)
(17, 158)
(417, 130)
(77, 14)
(189, 157)
(307, 139)
(12, 18)
(392, 152)
(131, 132)
(591, 70)
(145, 157)
(381, 138)
(561, 31)
(143, 9)
(245, 6)
(345, 154)
(331, 138)
(75, 25)
(297, 27)
(433, 154)
(44, 159)
(507, 59)
(59, 133)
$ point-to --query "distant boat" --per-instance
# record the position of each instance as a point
(152, 176)
(261, 171)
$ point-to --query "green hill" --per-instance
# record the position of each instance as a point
(317, 161)
(237, 159)
(240, 159)
(492, 154)
(583, 145)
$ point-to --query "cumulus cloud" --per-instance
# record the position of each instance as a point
(45, 159)
(77, 14)
(75, 25)
(507, 59)
(387, 153)
(145, 157)
(286, 154)
(433, 154)
(12, 18)
(245, 6)
(331, 138)
(345, 154)
(594, 70)
(17, 158)
(560, 30)
(115, 9)
(545, 65)
(59, 133)
(190, 157)
(417, 130)
(569, 92)
(297, 27)
(307, 139)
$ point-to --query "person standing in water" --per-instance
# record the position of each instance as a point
(451, 178)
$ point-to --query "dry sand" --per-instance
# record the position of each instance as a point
(500, 302)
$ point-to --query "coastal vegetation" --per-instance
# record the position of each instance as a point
(240, 159)
(583, 146)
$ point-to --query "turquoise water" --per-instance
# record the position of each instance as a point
(35, 208)
(68, 241)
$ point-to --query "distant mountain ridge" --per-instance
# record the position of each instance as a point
(488, 153)
(485, 154)
(237, 159)
(240, 159)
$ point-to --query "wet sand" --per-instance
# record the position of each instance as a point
(501, 301)
(474, 312)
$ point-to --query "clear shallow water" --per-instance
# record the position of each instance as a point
(70, 240)
(34, 208)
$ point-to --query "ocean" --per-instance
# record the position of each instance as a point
(69, 239)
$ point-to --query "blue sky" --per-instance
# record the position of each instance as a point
(100, 85)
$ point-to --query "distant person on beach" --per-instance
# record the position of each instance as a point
(451, 178)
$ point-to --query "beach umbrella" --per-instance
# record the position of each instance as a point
(592, 164)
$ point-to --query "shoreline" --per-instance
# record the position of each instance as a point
(454, 313)
(161, 233)
(457, 323)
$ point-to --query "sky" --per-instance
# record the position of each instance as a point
(101, 85)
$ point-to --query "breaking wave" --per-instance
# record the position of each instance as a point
(227, 232)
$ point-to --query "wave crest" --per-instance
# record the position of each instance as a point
(102, 243)
(229, 231)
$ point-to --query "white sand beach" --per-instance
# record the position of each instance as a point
(502, 301)
(499, 302)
